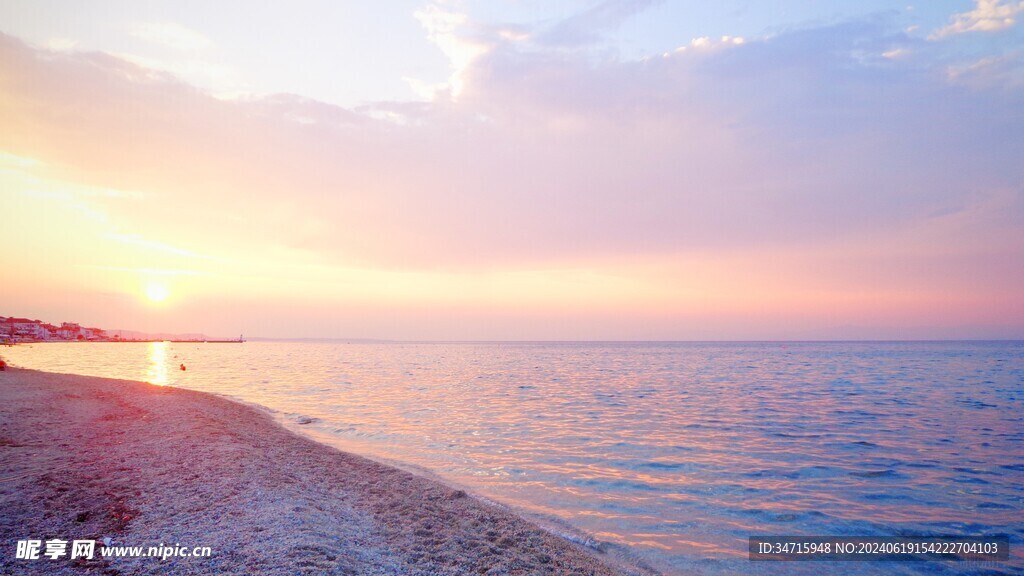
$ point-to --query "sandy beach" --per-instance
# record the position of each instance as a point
(144, 465)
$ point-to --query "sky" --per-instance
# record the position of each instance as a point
(515, 169)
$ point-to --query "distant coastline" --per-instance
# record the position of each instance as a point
(145, 341)
(17, 330)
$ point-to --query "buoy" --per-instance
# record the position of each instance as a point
(182, 367)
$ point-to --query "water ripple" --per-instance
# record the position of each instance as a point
(679, 450)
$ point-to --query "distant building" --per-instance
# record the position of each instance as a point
(15, 329)
(69, 331)
(51, 331)
(24, 329)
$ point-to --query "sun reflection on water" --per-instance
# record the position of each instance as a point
(157, 371)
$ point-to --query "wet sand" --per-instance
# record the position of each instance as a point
(91, 458)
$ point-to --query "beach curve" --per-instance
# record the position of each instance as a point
(144, 465)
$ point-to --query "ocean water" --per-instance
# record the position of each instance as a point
(676, 452)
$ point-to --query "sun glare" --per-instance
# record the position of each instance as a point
(157, 292)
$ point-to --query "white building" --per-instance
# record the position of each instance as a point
(69, 331)
(24, 329)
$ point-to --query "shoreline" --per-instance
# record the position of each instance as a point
(146, 465)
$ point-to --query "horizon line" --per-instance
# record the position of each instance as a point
(639, 341)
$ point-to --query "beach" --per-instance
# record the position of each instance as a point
(145, 465)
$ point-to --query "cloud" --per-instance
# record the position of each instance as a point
(445, 29)
(708, 43)
(988, 73)
(8, 160)
(896, 53)
(545, 157)
(61, 44)
(589, 26)
(141, 242)
(208, 75)
(145, 271)
(171, 35)
(987, 16)
(808, 164)
(189, 58)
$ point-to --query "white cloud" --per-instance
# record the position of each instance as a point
(15, 161)
(425, 90)
(217, 79)
(988, 72)
(442, 28)
(708, 43)
(171, 35)
(513, 34)
(589, 26)
(61, 44)
(136, 240)
(147, 271)
(987, 16)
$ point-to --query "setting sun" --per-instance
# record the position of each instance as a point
(157, 292)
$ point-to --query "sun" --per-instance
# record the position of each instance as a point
(157, 292)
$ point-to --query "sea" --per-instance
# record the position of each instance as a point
(673, 454)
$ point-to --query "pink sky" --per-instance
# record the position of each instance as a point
(848, 180)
